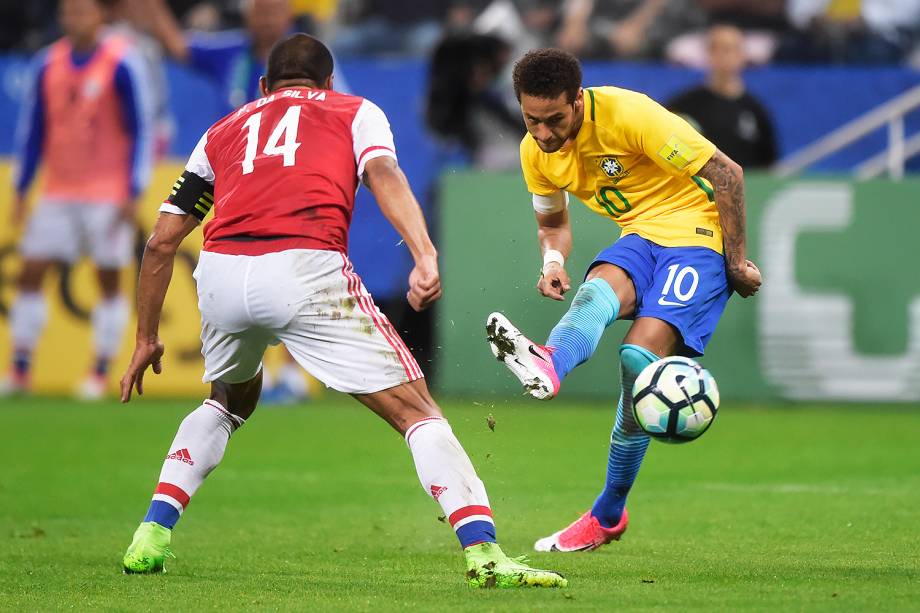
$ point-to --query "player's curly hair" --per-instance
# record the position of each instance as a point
(546, 73)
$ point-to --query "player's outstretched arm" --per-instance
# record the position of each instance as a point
(555, 236)
(397, 202)
(156, 272)
(727, 181)
(156, 17)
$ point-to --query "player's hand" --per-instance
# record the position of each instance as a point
(554, 281)
(424, 283)
(145, 354)
(127, 212)
(572, 36)
(745, 280)
(626, 38)
(18, 214)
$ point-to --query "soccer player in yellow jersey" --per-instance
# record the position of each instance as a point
(680, 204)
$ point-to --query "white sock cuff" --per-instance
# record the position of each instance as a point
(236, 420)
(428, 421)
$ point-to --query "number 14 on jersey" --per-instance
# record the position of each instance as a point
(282, 140)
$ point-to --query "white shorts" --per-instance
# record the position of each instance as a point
(64, 231)
(314, 303)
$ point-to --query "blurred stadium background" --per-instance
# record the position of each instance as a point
(830, 217)
(832, 207)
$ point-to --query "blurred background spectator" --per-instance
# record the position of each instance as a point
(235, 59)
(809, 31)
(762, 23)
(466, 107)
(625, 28)
(395, 27)
(723, 110)
(851, 31)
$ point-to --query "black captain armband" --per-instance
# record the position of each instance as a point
(192, 194)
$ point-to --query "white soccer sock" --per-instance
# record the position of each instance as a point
(197, 450)
(448, 476)
(109, 320)
(27, 320)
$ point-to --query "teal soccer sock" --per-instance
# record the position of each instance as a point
(577, 334)
(627, 441)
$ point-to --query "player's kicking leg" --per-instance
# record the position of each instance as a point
(448, 476)
(573, 341)
(608, 519)
(607, 294)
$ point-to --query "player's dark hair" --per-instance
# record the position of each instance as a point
(546, 73)
(298, 57)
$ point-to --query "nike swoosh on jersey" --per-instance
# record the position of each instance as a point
(664, 302)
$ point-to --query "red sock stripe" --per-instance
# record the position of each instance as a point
(367, 306)
(465, 512)
(173, 491)
(419, 424)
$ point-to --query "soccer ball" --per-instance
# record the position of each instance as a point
(675, 400)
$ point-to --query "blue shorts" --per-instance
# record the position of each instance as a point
(684, 286)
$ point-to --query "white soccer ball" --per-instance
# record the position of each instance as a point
(675, 400)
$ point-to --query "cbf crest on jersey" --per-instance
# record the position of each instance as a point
(611, 167)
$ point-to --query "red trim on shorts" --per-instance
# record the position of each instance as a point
(386, 328)
(419, 424)
(173, 491)
(465, 512)
(380, 321)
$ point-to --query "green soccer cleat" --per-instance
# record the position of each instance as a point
(488, 566)
(149, 549)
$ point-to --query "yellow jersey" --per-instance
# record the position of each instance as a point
(635, 162)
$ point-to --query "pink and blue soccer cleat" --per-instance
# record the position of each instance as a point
(584, 534)
(531, 363)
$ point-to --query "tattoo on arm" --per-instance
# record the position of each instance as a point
(728, 184)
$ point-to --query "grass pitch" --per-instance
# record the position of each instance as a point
(318, 507)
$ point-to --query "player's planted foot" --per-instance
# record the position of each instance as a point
(92, 388)
(14, 385)
(531, 363)
(149, 549)
(584, 534)
(488, 566)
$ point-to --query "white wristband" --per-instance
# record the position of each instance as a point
(552, 255)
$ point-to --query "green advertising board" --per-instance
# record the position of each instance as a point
(838, 317)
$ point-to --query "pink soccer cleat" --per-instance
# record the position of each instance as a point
(584, 534)
(531, 363)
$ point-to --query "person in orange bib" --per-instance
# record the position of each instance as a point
(87, 121)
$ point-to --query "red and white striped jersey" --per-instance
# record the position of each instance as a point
(285, 170)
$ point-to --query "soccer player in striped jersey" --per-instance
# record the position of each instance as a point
(679, 202)
(280, 176)
(87, 120)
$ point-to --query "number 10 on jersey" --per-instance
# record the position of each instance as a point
(282, 141)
